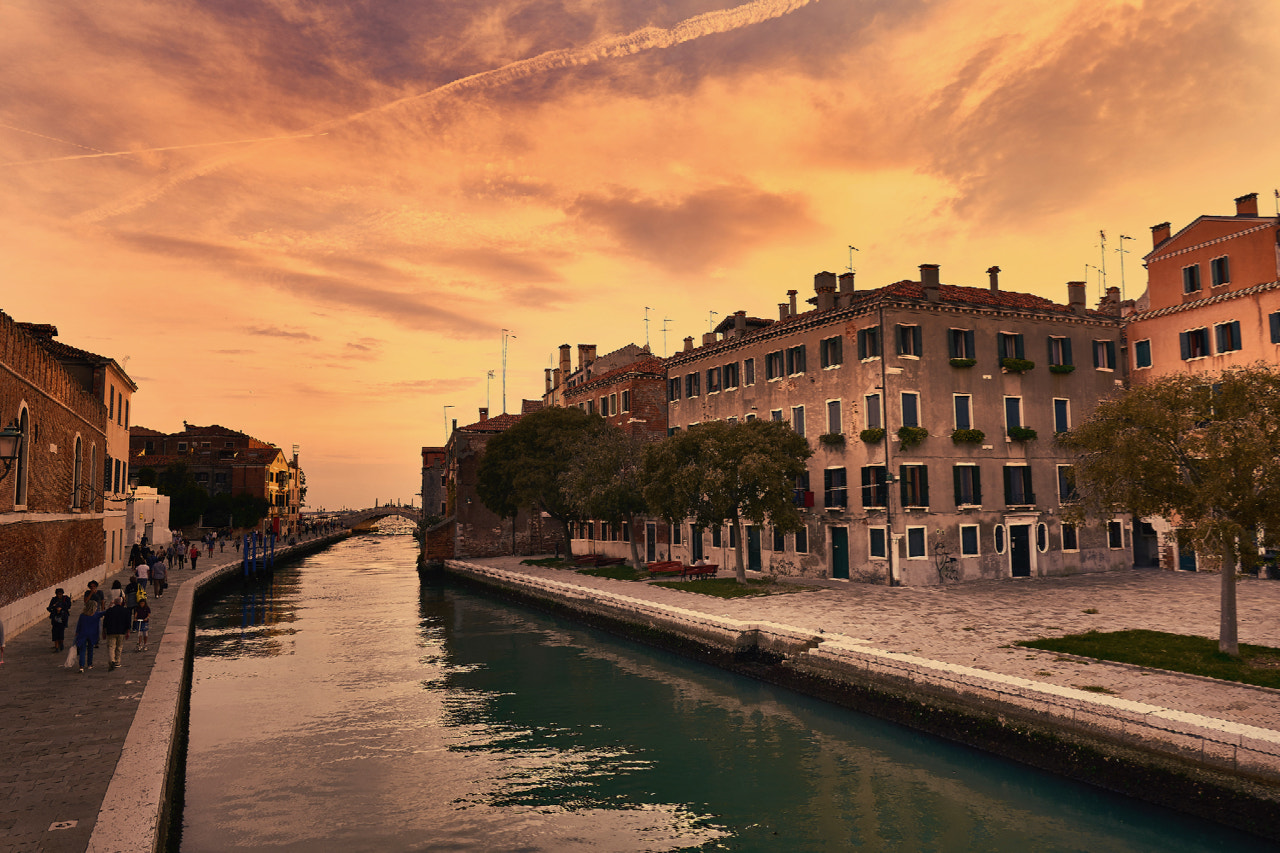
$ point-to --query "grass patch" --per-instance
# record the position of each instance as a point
(1095, 688)
(1091, 611)
(730, 588)
(1258, 665)
(548, 562)
(617, 573)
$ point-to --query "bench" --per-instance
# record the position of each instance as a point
(708, 571)
(598, 560)
(665, 567)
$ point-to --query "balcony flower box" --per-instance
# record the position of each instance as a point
(968, 436)
(1017, 365)
(1022, 434)
(832, 439)
(1061, 368)
(873, 435)
(909, 436)
(963, 362)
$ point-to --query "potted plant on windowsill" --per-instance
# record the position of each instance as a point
(832, 439)
(910, 436)
(873, 435)
(968, 436)
(1022, 433)
(1017, 365)
(963, 362)
(1061, 368)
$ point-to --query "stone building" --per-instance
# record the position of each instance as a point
(51, 509)
(931, 409)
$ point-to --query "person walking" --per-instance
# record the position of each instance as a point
(87, 632)
(194, 555)
(59, 615)
(142, 621)
(159, 577)
(115, 625)
(142, 573)
(131, 593)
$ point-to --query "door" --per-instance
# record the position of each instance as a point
(839, 552)
(753, 548)
(1186, 551)
(650, 542)
(1020, 550)
(695, 544)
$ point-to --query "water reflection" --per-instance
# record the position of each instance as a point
(345, 708)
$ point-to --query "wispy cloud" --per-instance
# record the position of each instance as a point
(278, 332)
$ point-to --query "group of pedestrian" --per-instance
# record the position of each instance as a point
(114, 617)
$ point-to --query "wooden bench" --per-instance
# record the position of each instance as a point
(598, 560)
(708, 571)
(665, 567)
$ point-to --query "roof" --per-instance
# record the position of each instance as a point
(980, 296)
(1246, 223)
(497, 423)
(646, 365)
(527, 406)
(141, 430)
(45, 334)
(729, 322)
(253, 456)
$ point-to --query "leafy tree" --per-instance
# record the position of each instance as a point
(525, 466)
(717, 472)
(1206, 456)
(243, 510)
(605, 481)
(187, 501)
(147, 476)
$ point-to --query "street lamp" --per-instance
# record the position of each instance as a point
(10, 447)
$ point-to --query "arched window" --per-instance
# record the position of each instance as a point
(24, 459)
(77, 474)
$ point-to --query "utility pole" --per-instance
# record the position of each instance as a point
(1123, 251)
(506, 333)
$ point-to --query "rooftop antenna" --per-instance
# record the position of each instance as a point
(1088, 267)
(852, 249)
(487, 382)
(710, 316)
(446, 423)
(647, 309)
(1123, 251)
(665, 321)
(506, 333)
(1277, 202)
(1102, 270)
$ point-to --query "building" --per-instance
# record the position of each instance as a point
(931, 410)
(103, 378)
(435, 483)
(51, 503)
(566, 379)
(1212, 302)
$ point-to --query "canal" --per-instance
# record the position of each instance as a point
(346, 707)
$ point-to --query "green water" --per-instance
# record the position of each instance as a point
(347, 708)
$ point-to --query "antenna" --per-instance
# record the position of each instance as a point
(506, 333)
(647, 309)
(487, 382)
(665, 321)
(710, 315)
(1122, 251)
(852, 249)
(1102, 270)
(446, 423)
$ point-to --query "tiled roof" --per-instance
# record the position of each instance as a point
(46, 333)
(980, 296)
(497, 423)
(645, 365)
(256, 456)
(141, 430)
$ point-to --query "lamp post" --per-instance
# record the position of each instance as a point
(10, 447)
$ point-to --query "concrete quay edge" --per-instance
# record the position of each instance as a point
(1233, 767)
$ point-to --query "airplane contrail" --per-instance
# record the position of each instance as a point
(148, 150)
(612, 47)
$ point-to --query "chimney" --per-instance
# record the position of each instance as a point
(824, 284)
(782, 311)
(547, 376)
(792, 295)
(846, 283)
(708, 338)
(739, 323)
(994, 273)
(1247, 205)
(484, 414)
(1159, 234)
(454, 427)
(1076, 296)
(566, 360)
(929, 281)
(557, 377)
(688, 344)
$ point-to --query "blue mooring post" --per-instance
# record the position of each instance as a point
(245, 557)
(271, 562)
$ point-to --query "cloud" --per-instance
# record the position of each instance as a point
(364, 349)
(432, 386)
(696, 232)
(278, 332)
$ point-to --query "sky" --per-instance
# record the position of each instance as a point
(311, 220)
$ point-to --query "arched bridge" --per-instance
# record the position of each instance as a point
(365, 519)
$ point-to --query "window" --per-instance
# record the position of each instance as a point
(111, 406)
(875, 486)
(964, 410)
(1195, 344)
(1060, 351)
(591, 407)
(733, 536)
(126, 413)
(202, 477)
(960, 343)
(1061, 414)
(150, 446)
(802, 540)
(1274, 320)
(715, 536)
(713, 380)
(1104, 355)
(1219, 271)
(1227, 336)
(1067, 483)
(749, 372)
(676, 531)
(1069, 541)
(673, 389)
(626, 531)
(869, 342)
(1191, 279)
(1017, 486)
(797, 419)
(731, 376)
(878, 542)
(835, 485)
(591, 529)
(1042, 537)
(750, 416)
(998, 538)
(626, 401)
(1009, 345)
(872, 408)
(834, 424)
(779, 540)
(1142, 353)
(1115, 535)
(613, 404)
(915, 485)
(773, 365)
(910, 341)
(775, 415)
(182, 447)
(691, 384)
(795, 360)
(968, 483)
(910, 408)
(1012, 412)
(916, 543)
(969, 540)
(220, 478)
(831, 351)
(77, 473)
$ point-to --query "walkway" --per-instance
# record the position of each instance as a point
(64, 732)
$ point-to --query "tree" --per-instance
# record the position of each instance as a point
(525, 466)
(606, 481)
(187, 500)
(1202, 452)
(718, 472)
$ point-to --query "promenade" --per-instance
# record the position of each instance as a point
(63, 734)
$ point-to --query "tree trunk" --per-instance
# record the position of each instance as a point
(568, 540)
(1228, 642)
(635, 547)
(739, 570)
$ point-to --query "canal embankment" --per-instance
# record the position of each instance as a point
(940, 661)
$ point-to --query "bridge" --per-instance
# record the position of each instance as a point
(365, 519)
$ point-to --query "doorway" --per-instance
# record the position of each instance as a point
(839, 552)
(1146, 548)
(695, 544)
(753, 548)
(1020, 550)
(650, 542)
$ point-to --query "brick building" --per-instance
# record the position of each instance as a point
(51, 511)
(931, 410)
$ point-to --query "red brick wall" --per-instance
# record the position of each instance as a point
(37, 555)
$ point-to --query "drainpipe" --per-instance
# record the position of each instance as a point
(892, 542)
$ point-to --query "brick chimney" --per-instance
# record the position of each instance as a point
(586, 355)
(1159, 234)
(688, 344)
(791, 294)
(846, 282)
(739, 323)
(993, 274)
(782, 311)
(1076, 296)
(929, 281)
(1247, 205)
(708, 338)
(484, 414)
(824, 284)
(566, 360)
(549, 386)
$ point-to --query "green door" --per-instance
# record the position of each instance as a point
(753, 548)
(839, 552)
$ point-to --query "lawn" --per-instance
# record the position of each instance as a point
(1258, 665)
(730, 588)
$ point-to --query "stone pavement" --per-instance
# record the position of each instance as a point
(974, 625)
(62, 733)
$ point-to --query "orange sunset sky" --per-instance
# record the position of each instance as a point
(311, 220)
